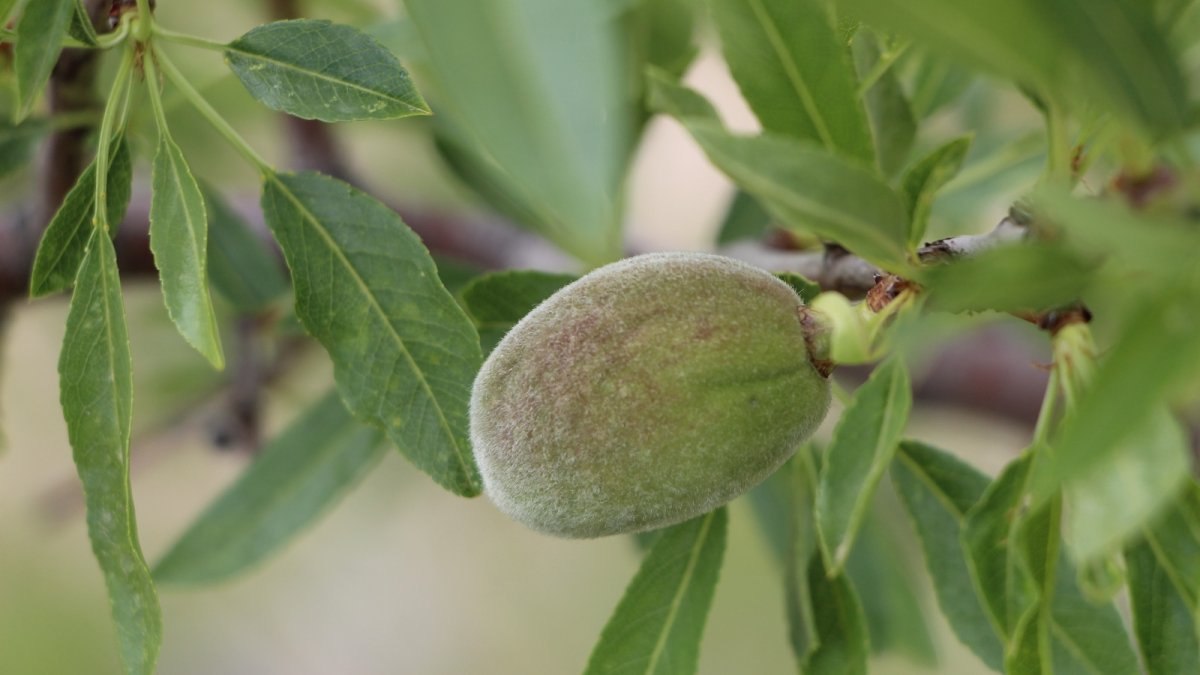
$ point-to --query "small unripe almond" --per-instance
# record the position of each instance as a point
(650, 391)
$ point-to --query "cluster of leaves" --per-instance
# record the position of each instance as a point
(540, 106)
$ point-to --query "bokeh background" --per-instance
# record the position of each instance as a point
(401, 577)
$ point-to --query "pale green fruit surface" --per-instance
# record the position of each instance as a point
(648, 392)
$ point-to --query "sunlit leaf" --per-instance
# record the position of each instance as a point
(404, 352)
(795, 71)
(538, 91)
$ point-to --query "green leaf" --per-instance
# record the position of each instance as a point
(179, 240)
(16, 143)
(657, 626)
(813, 191)
(320, 70)
(39, 40)
(840, 624)
(806, 288)
(81, 27)
(863, 445)
(744, 219)
(239, 265)
(1087, 638)
(923, 180)
(404, 353)
(668, 96)
(1025, 276)
(1156, 349)
(1031, 590)
(66, 238)
(934, 81)
(540, 93)
(96, 388)
(1175, 539)
(938, 490)
(498, 301)
(1162, 620)
(1106, 51)
(892, 122)
(795, 71)
(661, 35)
(986, 533)
(1134, 244)
(298, 477)
(1112, 501)
(884, 575)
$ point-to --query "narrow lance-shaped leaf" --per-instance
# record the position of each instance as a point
(893, 124)
(239, 265)
(96, 385)
(300, 475)
(794, 70)
(923, 180)
(498, 301)
(179, 240)
(938, 490)
(985, 536)
(81, 27)
(808, 189)
(657, 626)
(1087, 637)
(39, 40)
(64, 242)
(1029, 276)
(842, 629)
(813, 191)
(884, 576)
(863, 445)
(320, 70)
(404, 352)
(1163, 622)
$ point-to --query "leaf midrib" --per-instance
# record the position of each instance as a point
(374, 303)
(321, 76)
(794, 77)
(677, 599)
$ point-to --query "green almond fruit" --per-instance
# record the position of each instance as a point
(648, 392)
